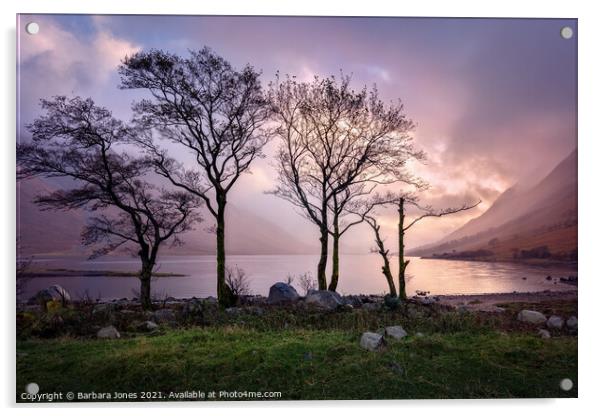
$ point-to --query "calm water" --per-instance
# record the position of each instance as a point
(359, 274)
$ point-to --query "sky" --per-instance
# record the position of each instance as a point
(493, 100)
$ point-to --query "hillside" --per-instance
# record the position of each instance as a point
(58, 232)
(523, 223)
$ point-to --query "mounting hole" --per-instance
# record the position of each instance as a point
(32, 388)
(566, 32)
(32, 28)
(566, 384)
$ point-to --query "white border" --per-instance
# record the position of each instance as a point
(590, 202)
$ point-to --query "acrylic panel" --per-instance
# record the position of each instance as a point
(295, 208)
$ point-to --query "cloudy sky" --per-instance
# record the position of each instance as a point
(494, 100)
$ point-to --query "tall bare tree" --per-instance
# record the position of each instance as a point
(400, 202)
(77, 140)
(214, 112)
(336, 145)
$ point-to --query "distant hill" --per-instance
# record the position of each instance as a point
(58, 232)
(48, 232)
(524, 222)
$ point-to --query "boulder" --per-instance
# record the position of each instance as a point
(108, 332)
(324, 299)
(53, 293)
(531, 317)
(571, 323)
(371, 341)
(164, 315)
(555, 322)
(395, 332)
(282, 293)
(543, 333)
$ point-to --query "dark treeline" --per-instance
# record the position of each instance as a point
(337, 147)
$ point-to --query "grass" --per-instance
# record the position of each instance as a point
(305, 364)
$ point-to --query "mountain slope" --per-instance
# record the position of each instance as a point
(520, 220)
(58, 232)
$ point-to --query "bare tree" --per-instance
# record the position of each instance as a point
(400, 202)
(215, 112)
(77, 140)
(336, 145)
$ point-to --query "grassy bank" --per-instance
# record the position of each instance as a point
(305, 364)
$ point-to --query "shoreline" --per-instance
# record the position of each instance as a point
(92, 273)
(483, 302)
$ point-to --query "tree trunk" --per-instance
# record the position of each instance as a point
(145, 285)
(334, 279)
(389, 276)
(222, 289)
(386, 269)
(323, 258)
(403, 263)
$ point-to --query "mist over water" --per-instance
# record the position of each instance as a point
(360, 274)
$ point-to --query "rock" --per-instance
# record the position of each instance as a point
(53, 293)
(571, 323)
(543, 333)
(233, 311)
(103, 308)
(354, 301)
(210, 300)
(531, 317)
(282, 293)
(373, 306)
(148, 326)
(371, 341)
(108, 332)
(498, 309)
(164, 315)
(324, 299)
(396, 332)
(555, 322)
(427, 300)
(193, 307)
(348, 307)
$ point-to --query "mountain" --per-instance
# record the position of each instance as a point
(48, 232)
(58, 232)
(524, 222)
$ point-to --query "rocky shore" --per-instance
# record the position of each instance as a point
(52, 312)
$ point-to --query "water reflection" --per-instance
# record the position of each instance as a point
(359, 274)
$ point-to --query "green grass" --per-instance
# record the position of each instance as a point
(305, 364)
